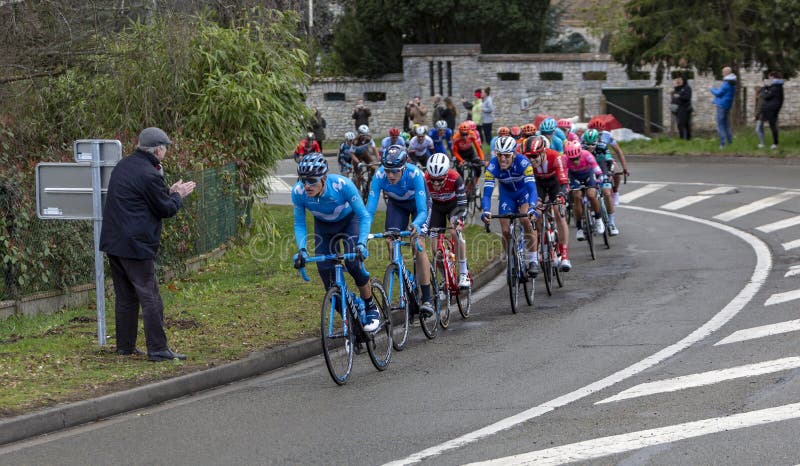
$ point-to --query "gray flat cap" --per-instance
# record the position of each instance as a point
(152, 137)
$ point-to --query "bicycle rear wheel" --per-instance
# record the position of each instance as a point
(443, 285)
(606, 233)
(379, 342)
(512, 273)
(398, 314)
(527, 282)
(588, 229)
(546, 261)
(337, 336)
(430, 325)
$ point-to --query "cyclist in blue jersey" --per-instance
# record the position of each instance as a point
(403, 185)
(344, 157)
(339, 215)
(518, 194)
(420, 147)
(548, 129)
(393, 139)
(442, 138)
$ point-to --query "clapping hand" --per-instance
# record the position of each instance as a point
(182, 188)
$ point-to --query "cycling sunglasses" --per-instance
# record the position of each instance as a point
(310, 180)
(438, 180)
(505, 154)
(394, 170)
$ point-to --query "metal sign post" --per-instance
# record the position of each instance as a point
(62, 193)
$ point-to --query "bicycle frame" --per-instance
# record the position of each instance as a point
(397, 258)
(341, 283)
(445, 247)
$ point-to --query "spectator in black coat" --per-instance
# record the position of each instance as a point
(361, 114)
(136, 201)
(317, 126)
(771, 97)
(681, 107)
(449, 115)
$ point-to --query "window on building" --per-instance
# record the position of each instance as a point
(333, 96)
(508, 76)
(594, 75)
(677, 73)
(640, 75)
(374, 96)
(551, 76)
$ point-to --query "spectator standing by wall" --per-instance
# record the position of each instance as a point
(136, 202)
(450, 113)
(723, 101)
(417, 112)
(317, 126)
(438, 110)
(487, 113)
(361, 114)
(477, 107)
(681, 107)
(771, 97)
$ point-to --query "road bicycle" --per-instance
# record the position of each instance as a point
(471, 186)
(516, 259)
(548, 247)
(403, 292)
(446, 278)
(341, 323)
(364, 172)
(589, 221)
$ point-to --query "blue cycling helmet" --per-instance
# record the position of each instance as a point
(394, 157)
(548, 126)
(313, 164)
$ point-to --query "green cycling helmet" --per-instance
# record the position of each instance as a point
(590, 137)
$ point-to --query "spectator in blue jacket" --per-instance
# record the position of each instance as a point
(723, 100)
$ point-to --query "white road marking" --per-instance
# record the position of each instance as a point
(684, 202)
(760, 332)
(791, 245)
(277, 185)
(605, 446)
(793, 270)
(780, 225)
(756, 206)
(719, 190)
(704, 378)
(637, 193)
(760, 274)
(784, 297)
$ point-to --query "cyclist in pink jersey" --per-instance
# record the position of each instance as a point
(583, 170)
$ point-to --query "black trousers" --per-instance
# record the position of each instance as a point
(771, 117)
(135, 285)
(684, 122)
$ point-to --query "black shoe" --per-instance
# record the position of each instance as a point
(166, 355)
(129, 352)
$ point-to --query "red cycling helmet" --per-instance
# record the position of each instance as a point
(534, 146)
(394, 132)
(565, 124)
(515, 131)
(503, 131)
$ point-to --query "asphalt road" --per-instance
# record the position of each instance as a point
(559, 382)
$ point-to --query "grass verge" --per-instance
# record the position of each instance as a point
(250, 299)
(745, 143)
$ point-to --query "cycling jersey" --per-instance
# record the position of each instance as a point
(362, 145)
(584, 170)
(419, 151)
(556, 143)
(441, 142)
(410, 189)
(552, 167)
(339, 199)
(387, 141)
(449, 199)
(559, 133)
(466, 144)
(304, 148)
(517, 185)
(344, 152)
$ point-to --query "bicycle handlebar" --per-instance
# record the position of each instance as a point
(393, 234)
(348, 256)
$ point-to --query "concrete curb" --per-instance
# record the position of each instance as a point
(82, 412)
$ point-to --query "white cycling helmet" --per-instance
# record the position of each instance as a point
(363, 129)
(349, 136)
(421, 130)
(438, 165)
(441, 124)
(505, 145)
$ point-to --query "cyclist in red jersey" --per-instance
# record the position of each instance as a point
(466, 146)
(552, 182)
(305, 147)
(448, 202)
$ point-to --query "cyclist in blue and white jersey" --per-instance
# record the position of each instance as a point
(548, 128)
(605, 141)
(339, 215)
(442, 138)
(393, 139)
(420, 147)
(344, 156)
(514, 173)
(403, 185)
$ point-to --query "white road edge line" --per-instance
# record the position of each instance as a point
(780, 225)
(704, 378)
(785, 297)
(760, 274)
(637, 193)
(760, 332)
(756, 206)
(605, 446)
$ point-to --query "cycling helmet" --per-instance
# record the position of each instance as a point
(441, 124)
(405, 136)
(534, 146)
(349, 136)
(528, 129)
(565, 124)
(547, 126)
(313, 164)
(421, 130)
(438, 165)
(463, 128)
(516, 131)
(472, 125)
(310, 136)
(572, 149)
(596, 124)
(394, 132)
(503, 131)
(394, 157)
(590, 137)
(505, 145)
(363, 129)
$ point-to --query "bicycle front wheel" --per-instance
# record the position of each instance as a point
(546, 260)
(430, 325)
(606, 233)
(379, 344)
(588, 229)
(337, 336)
(512, 273)
(398, 306)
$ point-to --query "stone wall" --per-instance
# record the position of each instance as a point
(469, 69)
